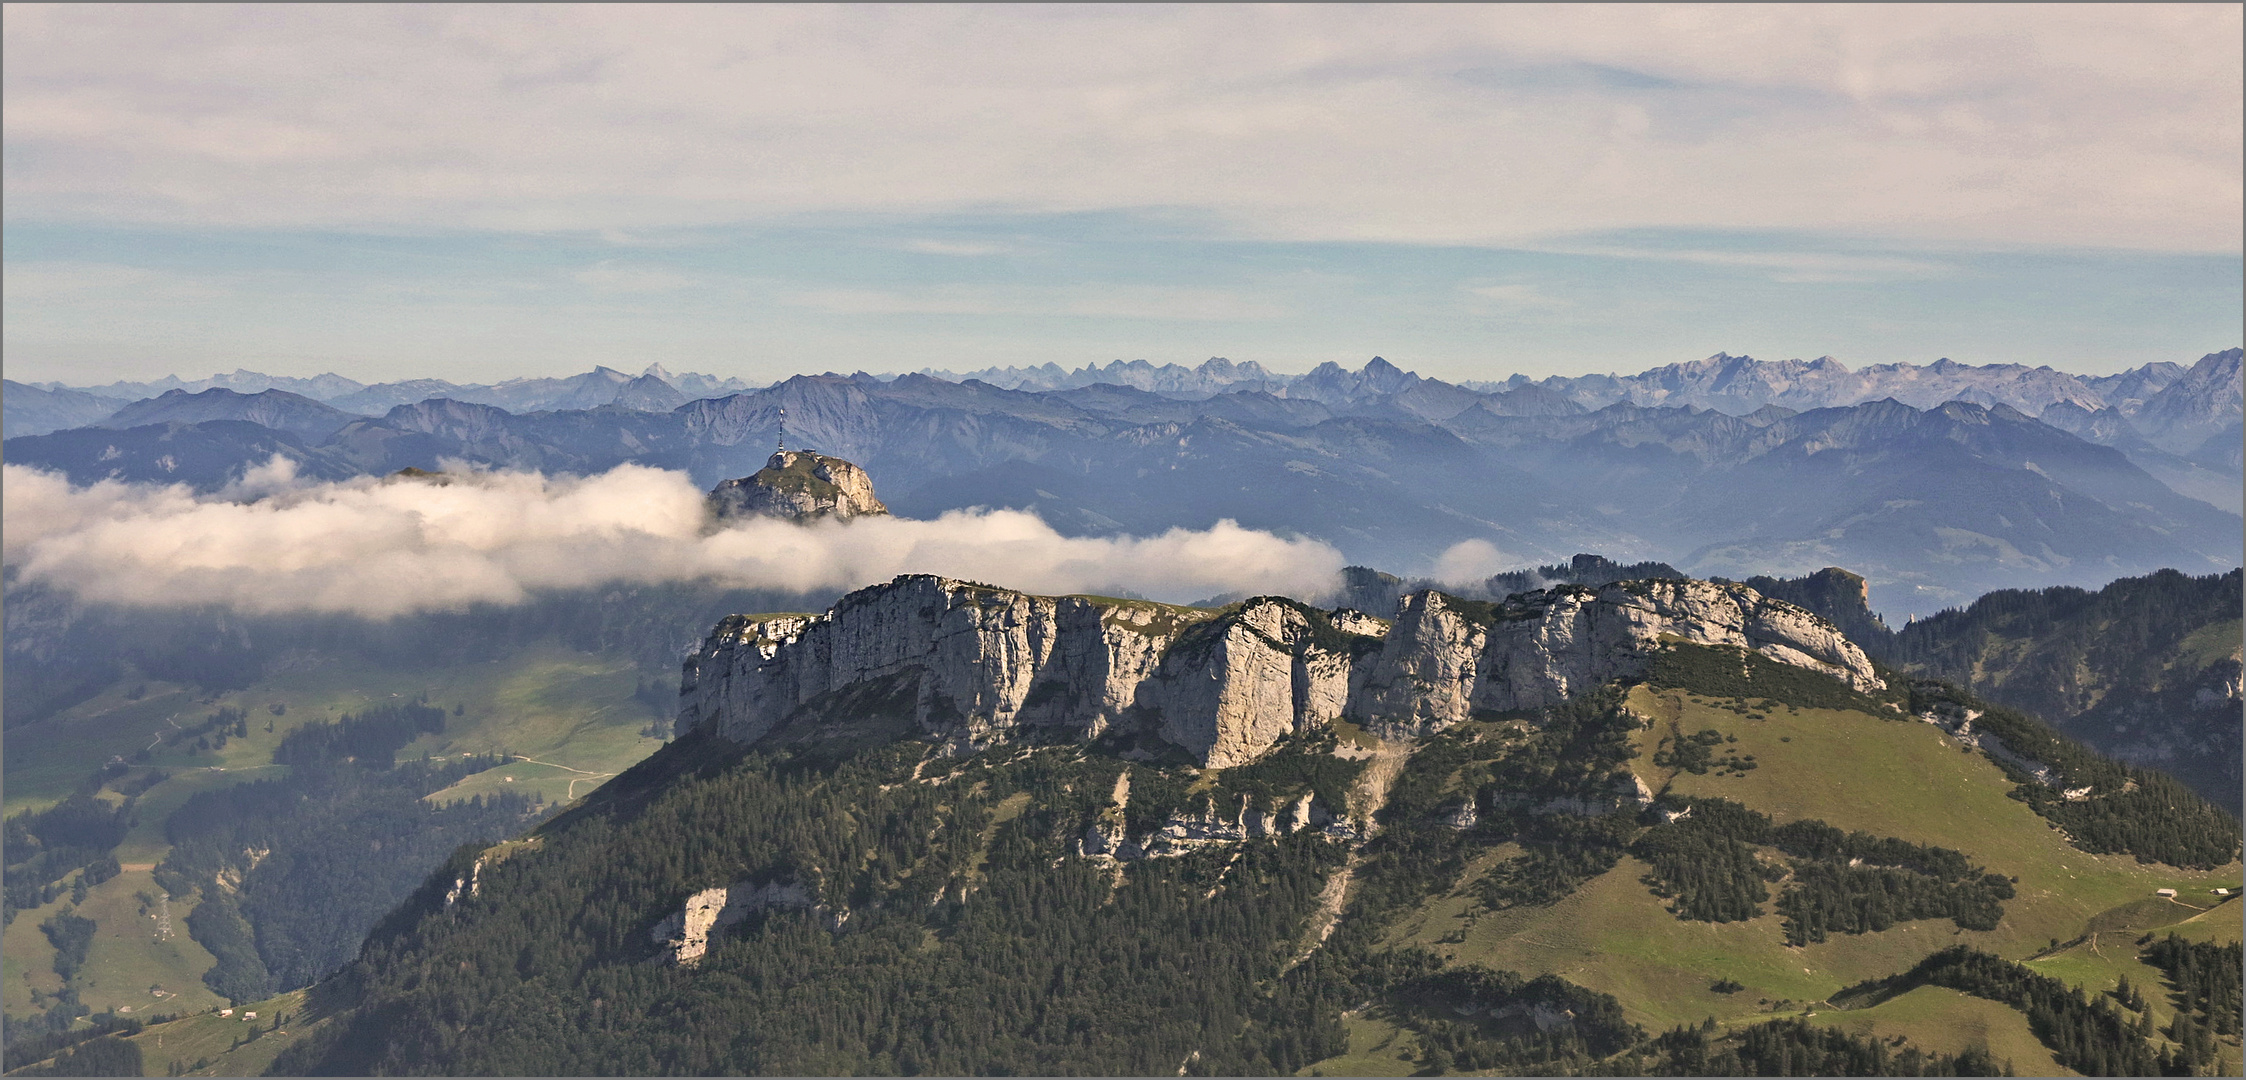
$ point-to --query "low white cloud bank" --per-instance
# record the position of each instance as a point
(1469, 562)
(382, 547)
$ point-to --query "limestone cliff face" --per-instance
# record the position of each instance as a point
(798, 485)
(1447, 658)
(1240, 682)
(961, 660)
(980, 665)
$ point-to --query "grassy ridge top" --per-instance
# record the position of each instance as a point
(1886, 775)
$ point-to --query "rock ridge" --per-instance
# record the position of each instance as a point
(978, 665)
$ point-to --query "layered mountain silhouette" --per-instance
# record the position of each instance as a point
(276, 409)
(34, 410)
(38, 410)
(1935, 504)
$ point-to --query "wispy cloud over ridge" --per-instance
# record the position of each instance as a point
(387, 547)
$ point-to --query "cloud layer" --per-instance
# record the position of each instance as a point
(387, 547)
(2066, 124)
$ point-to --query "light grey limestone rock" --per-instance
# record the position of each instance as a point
(1105, 835)
(467, 885)
(1959, 723)
(977, 665)
(1463, 816)
(1192, 829)
(1271, 668)
(1188, 831)
(964, 661)
(799, 485)
(980, 665)
(685, 934)
(1447, 659)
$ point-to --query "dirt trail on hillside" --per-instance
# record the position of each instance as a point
(1365, 801)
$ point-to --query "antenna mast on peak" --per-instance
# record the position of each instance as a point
(783, 447)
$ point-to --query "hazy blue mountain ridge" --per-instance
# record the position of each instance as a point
(276, 409)
(1933, 505)
(34, 410)
(323, 387)
(1214, 375)
(652, 389)
(2174, 421)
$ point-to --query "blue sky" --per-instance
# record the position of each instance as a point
(482, 193)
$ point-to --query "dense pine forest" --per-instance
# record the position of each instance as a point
(2117, 630)
(2092, 1035)
(45, 847)
(2140, 669)
(1707, 859)
(1791, 1048)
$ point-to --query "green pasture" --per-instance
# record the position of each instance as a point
(234, 1045)
(1941, 1019)
(1893, 777)
(571, 713)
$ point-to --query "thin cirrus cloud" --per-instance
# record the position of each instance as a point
(71, 280)
(2070, 124)
(965, 248)
(384, 547)
(490, 191)
(1518, 295)
(611, 276)
(1112, 302)
(1791, 267)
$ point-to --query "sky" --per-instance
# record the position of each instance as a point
(485, 192)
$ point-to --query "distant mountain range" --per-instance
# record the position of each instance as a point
(2180, 424)
(276, 409)
(35, 409)
(1935, 505)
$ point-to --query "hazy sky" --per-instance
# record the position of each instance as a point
(482, 192)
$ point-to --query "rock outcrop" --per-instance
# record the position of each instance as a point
(1447, 658)
(685, 934)
(980, 665)
(801, 486)
(1840, 597)
(1191, 829)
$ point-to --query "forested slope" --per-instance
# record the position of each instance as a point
(2146, 669)
(945, 919)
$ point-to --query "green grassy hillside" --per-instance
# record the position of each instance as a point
(567, 721)
(1884, 775)
(1942, 1018)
